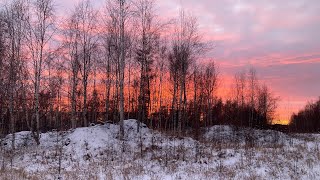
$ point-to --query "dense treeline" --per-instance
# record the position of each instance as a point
(308, 119)
(121, 61)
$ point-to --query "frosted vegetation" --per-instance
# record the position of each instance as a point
(62, 74)
(224, 152)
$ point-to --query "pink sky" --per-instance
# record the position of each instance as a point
(279, 38)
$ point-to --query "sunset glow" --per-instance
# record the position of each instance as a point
(278, 38)
(159, 89)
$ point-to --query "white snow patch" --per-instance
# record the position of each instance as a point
(223, 153)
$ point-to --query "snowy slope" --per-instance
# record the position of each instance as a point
(223, 153)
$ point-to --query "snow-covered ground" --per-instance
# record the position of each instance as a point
(223, 153)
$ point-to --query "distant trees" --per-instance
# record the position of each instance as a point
(205, 82)
(239, 94)
(266, 106)
(210, 84)
(307, 119)
(252, 94)
(253, 104)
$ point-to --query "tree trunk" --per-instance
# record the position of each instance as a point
(84, 111)
(108, 87)
(12, 119)
(37, 131)
(173, 105)
(73, 103)
(180, 108)
(121, 70)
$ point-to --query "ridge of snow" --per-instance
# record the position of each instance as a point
(96, 152)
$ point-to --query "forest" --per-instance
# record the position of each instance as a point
(123, 61)
(119, 62)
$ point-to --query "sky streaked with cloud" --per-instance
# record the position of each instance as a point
(281, 39)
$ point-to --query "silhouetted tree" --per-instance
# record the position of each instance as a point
(307, 120)
(39, 33)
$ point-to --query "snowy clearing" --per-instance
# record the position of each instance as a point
(223, 153)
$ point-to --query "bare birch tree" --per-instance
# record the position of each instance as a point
(148, 33)
(111, 46)
(119, 11)
(107, 44)
(240, 93)
(71, 38)
(186, 46)
(122, 65)
(39, 33)
(210, 85)
(2, 61)
(252, 88)
(15, 19)
(266, 106)
(85, 17)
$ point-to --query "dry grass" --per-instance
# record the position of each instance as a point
(220, 159)
(10, 174)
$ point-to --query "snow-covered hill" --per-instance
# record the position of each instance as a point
(223, 153)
